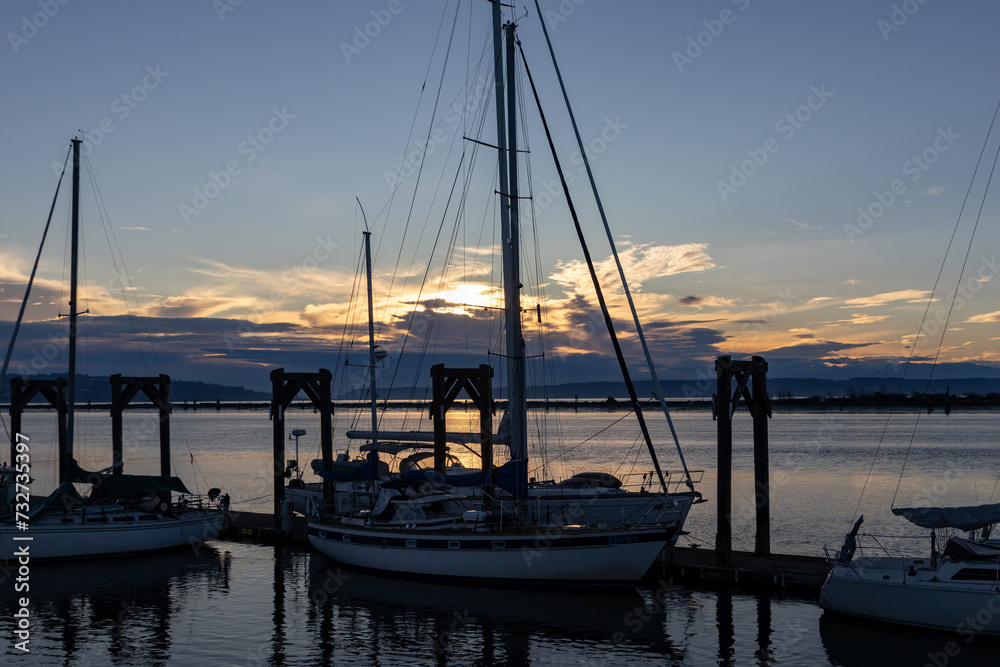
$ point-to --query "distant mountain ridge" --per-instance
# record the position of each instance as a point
(97, 389)
(786, 387)
(778, 387)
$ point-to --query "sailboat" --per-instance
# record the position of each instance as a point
(956, 590)
(120, 514)
(424, 525)
(957, 587)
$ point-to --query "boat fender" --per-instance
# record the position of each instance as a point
(311, 509)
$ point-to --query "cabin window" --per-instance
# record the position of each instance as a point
(408, 514)
(410, 544)
(454, 544)
(499, 544)
(975, 574)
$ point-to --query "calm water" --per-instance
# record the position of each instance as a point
(236, 604)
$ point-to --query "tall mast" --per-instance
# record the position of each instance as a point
(516, 405)
(74, 265)
(517, 393)
(371, 339)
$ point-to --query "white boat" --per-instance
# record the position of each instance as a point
(122, 514)
(542, 537)
(955, 591)
(67, 525)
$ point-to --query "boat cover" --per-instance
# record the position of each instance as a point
(114, 487)
(962, 549)
(367, 471)
(65, 497)
(477, 478)
(962, 518)
(511, 477)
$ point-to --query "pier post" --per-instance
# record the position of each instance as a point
(724, 479)
(751, 386)
(760, 408)
(446, 385)
(123, 390)
(278, 439)
(284, 388)
(21, 393)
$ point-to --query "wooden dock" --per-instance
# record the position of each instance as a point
(258, 528)
(689, 565)
(775, 572)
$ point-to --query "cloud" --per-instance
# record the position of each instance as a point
(804, 225)
(934, 190)
(985, 317)
(138, 229)
(689, 300)
(861, 318)
(910, 296)
(642, 263)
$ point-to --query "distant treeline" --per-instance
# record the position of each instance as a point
(97, 389)
(784, 391)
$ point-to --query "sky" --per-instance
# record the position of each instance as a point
(782, 179)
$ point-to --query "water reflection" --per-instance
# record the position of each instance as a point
(251, 605)
(496, 626)
(854, 643)
(123, 607)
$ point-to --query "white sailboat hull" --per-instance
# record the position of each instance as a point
(554, 555)
(49, 538)
(884, 589)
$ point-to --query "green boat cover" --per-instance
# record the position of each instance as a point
(115, 487)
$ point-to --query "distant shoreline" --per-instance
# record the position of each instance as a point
(825, 404)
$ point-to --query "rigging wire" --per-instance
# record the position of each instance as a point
(597, 286)
(123, 276)
(930, 300)
(116, 256)
(27, 291)
(614, 251)
(951, 308)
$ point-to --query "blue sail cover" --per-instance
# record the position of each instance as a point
(477, 478)
(365, 472)
(512, 477)
(962, 518)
